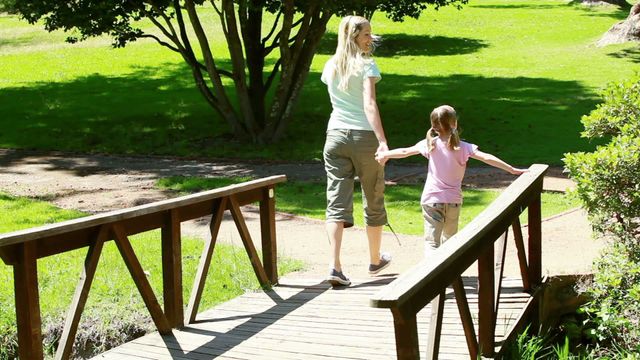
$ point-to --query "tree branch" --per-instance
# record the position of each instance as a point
(215, 7)
(273, 29)
(163, 43)
(276, 41)
(209, 62)
(272, 76)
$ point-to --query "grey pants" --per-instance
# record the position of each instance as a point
(347, 154)
(440, 223)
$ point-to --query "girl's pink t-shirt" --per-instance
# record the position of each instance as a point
(445, 171)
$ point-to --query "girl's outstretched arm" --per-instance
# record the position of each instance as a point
(494, 161)
(399, 153)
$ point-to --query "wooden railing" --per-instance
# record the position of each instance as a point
(427, 281)
(22, 249)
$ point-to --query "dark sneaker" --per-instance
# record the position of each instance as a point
(385, 260)
(337, 278)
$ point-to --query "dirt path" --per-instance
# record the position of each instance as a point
(95, 183)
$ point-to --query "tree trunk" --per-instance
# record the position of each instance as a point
(627, 30)
(296, 60)
(302, 70)
(255, 52)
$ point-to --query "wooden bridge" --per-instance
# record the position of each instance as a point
(434, 309)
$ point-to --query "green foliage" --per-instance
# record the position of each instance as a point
(608, 179)
(614, 310)
(528, 347)
(8, 6)
(608, 184)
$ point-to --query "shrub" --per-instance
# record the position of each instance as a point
(608, 185)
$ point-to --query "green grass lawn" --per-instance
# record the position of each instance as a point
(521, 73)
(113, 291)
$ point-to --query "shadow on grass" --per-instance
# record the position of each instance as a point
(412, 45)
(523, 120)
(632, 54)
(620, 12)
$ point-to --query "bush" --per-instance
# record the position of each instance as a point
(608, 185)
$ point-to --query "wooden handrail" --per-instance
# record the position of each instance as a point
(424, 282)
(23, 248)
(50, 230)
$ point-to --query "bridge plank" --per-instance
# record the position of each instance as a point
(314, 321)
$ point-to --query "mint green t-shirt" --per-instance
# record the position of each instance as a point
(348, 106)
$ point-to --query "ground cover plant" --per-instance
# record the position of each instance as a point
(113, 291)
(402, 201)
(520, 93)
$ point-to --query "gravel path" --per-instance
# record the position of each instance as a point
(97, 183)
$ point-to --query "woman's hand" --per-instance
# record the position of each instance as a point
(381, 155)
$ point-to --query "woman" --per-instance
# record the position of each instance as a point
(354, 136)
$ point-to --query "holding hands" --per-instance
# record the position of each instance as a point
(382, 156)
(381, 152)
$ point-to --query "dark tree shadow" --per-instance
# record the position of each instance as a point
(504, 116)
(394, 45)
(619, 13)
(622, 7)
(141, 111)
(632, 54)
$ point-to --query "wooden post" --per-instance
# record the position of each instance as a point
(245, 236)
(522, 256)
(25, 282)
(465, 317)
(406, 329)
(535, 241)
(535, 254)
(205, 261)
(435, 326)
(140, 279)
(65, 345)
(172, 270)
(486, 297)
(268, 232)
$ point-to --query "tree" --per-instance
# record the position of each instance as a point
(294, 34)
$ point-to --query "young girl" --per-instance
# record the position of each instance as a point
(448, 155)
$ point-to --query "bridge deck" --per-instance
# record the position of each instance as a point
(306, 319)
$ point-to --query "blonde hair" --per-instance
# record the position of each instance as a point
(349, 58)
(446, 120)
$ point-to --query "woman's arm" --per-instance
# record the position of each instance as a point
(494, 161)
(372, 113)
